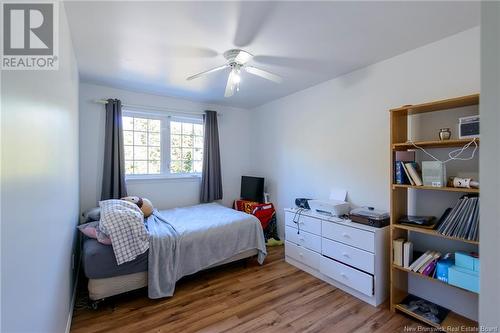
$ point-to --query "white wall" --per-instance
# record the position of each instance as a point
(337, 133)
(234, 144)
(489, 302)
(39, 193)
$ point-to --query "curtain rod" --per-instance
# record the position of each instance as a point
(155, 108)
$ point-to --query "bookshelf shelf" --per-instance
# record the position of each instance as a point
(399, 196)
(442, 105)
(449, 324)
(432, 233)
(425, 277)
(432, 188)
(433, 144)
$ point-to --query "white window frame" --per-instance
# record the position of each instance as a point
(165, 119)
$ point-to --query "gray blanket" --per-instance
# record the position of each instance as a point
(186, 240)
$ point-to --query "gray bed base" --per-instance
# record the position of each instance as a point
(99, 289)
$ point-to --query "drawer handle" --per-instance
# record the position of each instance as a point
(346, 235)
(302, 239)
(343, 275)
(345, 254)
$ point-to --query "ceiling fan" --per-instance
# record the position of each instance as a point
(236, 61)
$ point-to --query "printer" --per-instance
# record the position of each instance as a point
(329, 207)
(334, 206)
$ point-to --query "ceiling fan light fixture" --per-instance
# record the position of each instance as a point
(236, 77)
(236, 61)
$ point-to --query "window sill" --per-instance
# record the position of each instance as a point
(163, 178)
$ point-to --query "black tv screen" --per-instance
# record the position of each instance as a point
(252, 188)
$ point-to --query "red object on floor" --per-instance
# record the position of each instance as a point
(263, 211)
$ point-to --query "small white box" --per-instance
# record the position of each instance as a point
(468, 127)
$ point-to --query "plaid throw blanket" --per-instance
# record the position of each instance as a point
(123, 221)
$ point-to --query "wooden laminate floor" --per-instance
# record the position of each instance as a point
(275, 297)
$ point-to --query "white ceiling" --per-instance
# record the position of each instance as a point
(153, 46)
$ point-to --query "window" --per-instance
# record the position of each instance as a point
(186, 147)
(162, 145)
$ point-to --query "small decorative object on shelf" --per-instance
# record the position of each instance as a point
(444, 134)
(463, 182)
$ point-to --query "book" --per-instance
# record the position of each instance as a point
(408, 174)
(404, 155)
(397, 246)
(461, 221)
(419, 260)
(414, 172)
(435, 256)
(443, 217)
(425, 309)
(430, 268)
(425, 260)
(400, 174)
(407, 254)
(470, 221)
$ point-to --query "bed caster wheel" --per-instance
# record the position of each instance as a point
(94, 305)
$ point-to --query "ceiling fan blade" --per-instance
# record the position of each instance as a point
(207, 72)
(264, 74)
(253, 16)
(243, 57)
(230, 85)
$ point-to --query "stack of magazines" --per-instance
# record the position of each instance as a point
(462, 220)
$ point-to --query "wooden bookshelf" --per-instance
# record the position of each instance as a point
(433, 144)
(399, 140)
(432, 188)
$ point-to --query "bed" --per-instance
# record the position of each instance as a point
(183, 241)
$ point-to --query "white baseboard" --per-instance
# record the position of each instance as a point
(73, 300)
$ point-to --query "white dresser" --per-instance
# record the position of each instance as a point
(350, 256)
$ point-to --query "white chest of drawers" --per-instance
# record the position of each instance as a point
(350, 256)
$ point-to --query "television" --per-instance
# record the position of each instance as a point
(252, 188)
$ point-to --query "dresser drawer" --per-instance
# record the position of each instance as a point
(349, 255)
(304, 238)
(352, 236)
(305, 223)
(351, 277)
(303, 255)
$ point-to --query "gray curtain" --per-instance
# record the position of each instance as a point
(113, 177)
(211, 179)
